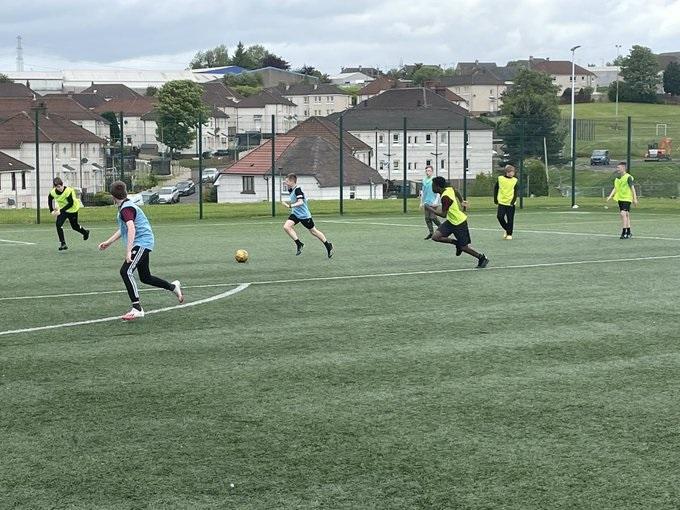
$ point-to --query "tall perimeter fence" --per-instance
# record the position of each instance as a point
(230, 165)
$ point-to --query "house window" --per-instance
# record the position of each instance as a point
(409, 139)
(306, 113)
(442, 163)
(14, 181)
(23, 180)
(415, 165)
(428, 138)
(64, 151)
(382, 165)
(410, 165)
(306, 99)
(428, 162)
(415, 139)
(329, 99)
(395, 138)
(395, 164)
(381, 139)
(317, 99)
(442, 138)
(328, 112)
(248, 184)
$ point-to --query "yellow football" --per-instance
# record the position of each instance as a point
(241, 256)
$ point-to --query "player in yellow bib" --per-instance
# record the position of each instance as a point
(624, 194)
(505, 195)
(452, 209)
(64, 204)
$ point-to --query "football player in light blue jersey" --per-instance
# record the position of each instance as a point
(135, 230)
(429, 197)
(299, 213)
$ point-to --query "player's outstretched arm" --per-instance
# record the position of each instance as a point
(110, 241)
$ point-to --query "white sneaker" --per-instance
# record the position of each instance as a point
(133, 314)
(178, 291)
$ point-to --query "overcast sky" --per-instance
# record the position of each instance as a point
(165, 34)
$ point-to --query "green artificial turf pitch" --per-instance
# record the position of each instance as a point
(391, 376)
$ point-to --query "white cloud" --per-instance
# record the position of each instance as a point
(156, 33)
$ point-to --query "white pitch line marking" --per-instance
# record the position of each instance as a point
(360, 276)
(552, 232)
(228, 293)
(15, 242)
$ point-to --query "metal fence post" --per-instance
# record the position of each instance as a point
(342, 169)
(521, 165)
(273, 165)
(629, 142)
(405, 164)
(200, 167)
(465, 156)
(573, 163)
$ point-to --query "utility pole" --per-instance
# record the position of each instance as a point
(37, 110)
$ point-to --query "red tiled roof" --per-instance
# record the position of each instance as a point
(259, 162)
(558, 67)
(316, 126)
(9, 164)
(135, 107)
(61, 105)
(112, 91)
(378, 85)
(11, 89)
(20, 129)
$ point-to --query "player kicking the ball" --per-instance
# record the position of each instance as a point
(299, 213)
(135, 230)
(456, 221)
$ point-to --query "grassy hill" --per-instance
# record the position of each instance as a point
(599, 128)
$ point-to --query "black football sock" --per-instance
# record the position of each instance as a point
(328, 244)
(298, 243)
(137, 306)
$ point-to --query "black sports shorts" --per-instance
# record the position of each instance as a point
(307, 222)
(460, 232)
(624, 206)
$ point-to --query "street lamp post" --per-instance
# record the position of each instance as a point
(573, 85)
(618, 47)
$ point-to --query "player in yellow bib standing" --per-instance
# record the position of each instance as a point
(624, 194)
(456, 224)
(505, 195)
(66, 208)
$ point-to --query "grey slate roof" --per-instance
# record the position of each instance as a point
(267, 96)
(371, 119)
(310, 89)
(10, 164)
(418, 97)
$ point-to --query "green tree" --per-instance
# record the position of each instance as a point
(671, 79)
(241, 58)
(5, 79)
(114, 128)
(531, 113)
(312, 71)
(178, 111)
(271, 60)
(424, 74)
(536, 181)
(151, 91)
(639, 71)
(246, 84)
(216, 57)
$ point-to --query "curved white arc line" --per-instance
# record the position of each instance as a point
(228, 293)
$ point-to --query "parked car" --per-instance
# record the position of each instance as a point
(210, 174)
(149, 197)
(220, 153)
(186, 188)
(136, 198)
(168, 195)
(207, 154)
(599, 157)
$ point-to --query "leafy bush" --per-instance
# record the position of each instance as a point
(483, 185)
(535, 178)
(145, 182)
(210, 194)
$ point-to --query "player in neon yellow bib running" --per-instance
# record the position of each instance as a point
(624, 194)
(64, 204)
(452, 209)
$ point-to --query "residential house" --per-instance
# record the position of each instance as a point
(87, 100)
(380, 85)
(15, 180)
(317, 126)
(136, 131)
(369, 71)
(434, 134)
(254, 113)
(482, 90)
(560, 71)
(351, 78)
(273, 76)
(315, 99)
(66, 150)
(314, 159)
(109, 91)
(11, 89)
(605, 75)
(61, 105)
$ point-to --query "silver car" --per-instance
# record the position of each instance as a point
(168, 195)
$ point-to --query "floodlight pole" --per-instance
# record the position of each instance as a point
(37, 110)
(200, 165)
(273, 165)
(122, 151)
(465, 156)
(342, 168)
